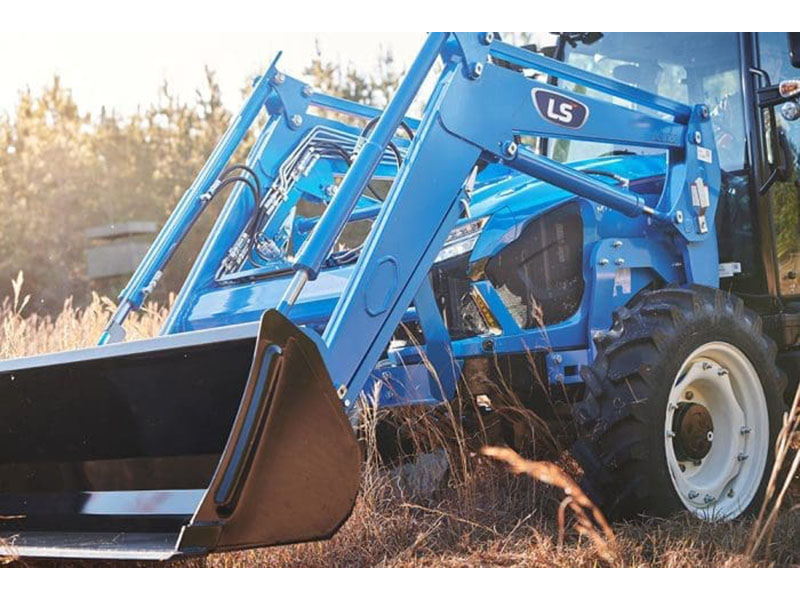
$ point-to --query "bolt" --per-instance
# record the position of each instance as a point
(488, 345)
(741, 457)
(704, 114)
(330, 191)
(487, 37)
(708, 499)
(510, 149)
(476, 70)
(698, 137)
(558, 359)
(307, 91)
(693, 495)
(679, 217)
(730, 493)
(791, 111)
(603, 262)
(278, 78)
(710, 436)
(745, 430)
(689, 394)
(619, 262)
(297, 120)
(616, 244)
(342, 391)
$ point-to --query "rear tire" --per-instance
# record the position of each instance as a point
(682, 407)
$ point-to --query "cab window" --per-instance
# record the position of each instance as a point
(692, 68)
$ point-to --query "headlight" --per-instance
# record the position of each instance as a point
(462, 239)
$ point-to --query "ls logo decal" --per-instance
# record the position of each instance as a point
(560, 110)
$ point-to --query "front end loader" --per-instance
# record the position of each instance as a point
(235, 427)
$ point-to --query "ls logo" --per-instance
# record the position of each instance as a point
(560, 110)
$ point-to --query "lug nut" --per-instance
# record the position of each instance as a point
(706, 366)
(745, 430)
(742, 457)
(722, 372)
(693, 495)
(689, 395)
(708, 499)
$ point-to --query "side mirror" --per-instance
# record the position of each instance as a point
(794, 49)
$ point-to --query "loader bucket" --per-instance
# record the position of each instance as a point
(221, 439)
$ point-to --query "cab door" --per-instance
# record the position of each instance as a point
(780, 139)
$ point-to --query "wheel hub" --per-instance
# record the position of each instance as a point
(716, 431)
(694, 431)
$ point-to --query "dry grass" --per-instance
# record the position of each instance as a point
(495, 508)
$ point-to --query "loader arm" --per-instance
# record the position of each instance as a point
(471, 117)
(288, 468)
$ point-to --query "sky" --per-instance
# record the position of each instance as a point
(124, 70)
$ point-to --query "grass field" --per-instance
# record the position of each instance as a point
(492, 509)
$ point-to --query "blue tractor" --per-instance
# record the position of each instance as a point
(619, 211)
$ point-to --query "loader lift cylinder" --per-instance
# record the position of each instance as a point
(330, 225)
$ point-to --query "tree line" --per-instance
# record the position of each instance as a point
(64, 169)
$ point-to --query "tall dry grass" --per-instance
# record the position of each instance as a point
(493, 508)
(24, 332)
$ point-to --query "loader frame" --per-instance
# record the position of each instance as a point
(471, 85)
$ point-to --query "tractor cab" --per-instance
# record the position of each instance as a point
(757, 136)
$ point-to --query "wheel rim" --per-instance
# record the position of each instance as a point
(717, 432)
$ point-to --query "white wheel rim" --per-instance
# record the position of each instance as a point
(722, 382)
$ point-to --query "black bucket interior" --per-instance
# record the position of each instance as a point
(124, 437)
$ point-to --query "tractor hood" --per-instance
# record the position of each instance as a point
(510, 202)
